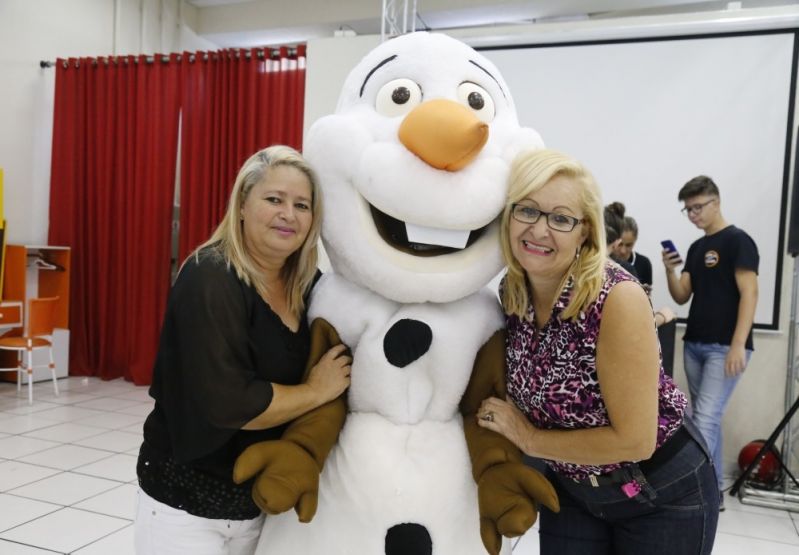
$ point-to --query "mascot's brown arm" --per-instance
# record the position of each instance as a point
(507, 489)
(317, 430)
(486, 447)
(288, 469)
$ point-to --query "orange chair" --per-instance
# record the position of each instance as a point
(38, 335)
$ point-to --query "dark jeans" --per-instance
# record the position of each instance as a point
(679, 519)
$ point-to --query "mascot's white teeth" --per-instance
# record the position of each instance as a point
(436, 236)
(539, 248)
(418, 240)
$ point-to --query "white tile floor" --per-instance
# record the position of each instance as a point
(68, 477)
(68, 467)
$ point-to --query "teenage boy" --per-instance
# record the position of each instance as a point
(720, 273)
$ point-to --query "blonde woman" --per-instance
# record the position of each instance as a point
(586, 388)
(233, 350)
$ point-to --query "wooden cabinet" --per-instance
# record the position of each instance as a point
(10, 314)
(37, 271)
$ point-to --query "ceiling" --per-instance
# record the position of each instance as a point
(247, 23)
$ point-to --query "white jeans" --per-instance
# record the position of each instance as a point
(163, 530)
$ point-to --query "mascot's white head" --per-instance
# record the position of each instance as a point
(413, 168)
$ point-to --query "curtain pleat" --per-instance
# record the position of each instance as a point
(149, 247)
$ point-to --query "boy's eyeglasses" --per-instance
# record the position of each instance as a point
(696, 208)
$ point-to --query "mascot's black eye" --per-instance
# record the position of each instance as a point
(398, 97)
(401, 95)
(476, 100)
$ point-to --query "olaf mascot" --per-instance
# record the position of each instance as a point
(413, 168)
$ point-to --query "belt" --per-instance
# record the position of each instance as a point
(662, 455)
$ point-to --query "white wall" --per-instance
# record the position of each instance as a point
(758, 403)
(29, 32)
(329, 61)
(46, 30)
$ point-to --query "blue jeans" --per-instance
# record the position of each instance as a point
(680, 519)
(710, 390)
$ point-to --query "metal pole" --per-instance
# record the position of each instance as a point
(787, 499)
(383, 24)
(790, 383)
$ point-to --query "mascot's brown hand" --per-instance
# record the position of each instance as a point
(507, 494)
(289, 477)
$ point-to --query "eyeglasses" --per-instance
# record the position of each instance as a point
(695, 208)
(557, 222)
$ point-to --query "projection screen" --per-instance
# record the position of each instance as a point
(646, 115)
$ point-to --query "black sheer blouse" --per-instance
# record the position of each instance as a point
(221, 349)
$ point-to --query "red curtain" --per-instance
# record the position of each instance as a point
(114, 158)
(112, 186)
(234, 102)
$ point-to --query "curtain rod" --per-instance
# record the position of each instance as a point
(261, 54)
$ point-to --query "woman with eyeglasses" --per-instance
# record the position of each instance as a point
(586, 388)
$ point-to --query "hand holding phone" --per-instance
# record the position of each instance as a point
(671, 256)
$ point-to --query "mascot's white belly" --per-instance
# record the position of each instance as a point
(400, 472)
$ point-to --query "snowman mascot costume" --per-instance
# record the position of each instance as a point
(413, 168)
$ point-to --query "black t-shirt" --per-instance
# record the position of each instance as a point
(627, 266)
(643, 268)
(711, 263)
(221, 349)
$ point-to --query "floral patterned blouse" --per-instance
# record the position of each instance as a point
(552, 375)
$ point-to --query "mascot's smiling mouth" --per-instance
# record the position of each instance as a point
(395, 234)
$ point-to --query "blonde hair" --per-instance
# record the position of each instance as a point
(228, 239)
(530, 171)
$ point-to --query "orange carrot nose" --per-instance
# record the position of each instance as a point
(444, 134)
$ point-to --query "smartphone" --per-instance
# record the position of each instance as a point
(668, 245)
